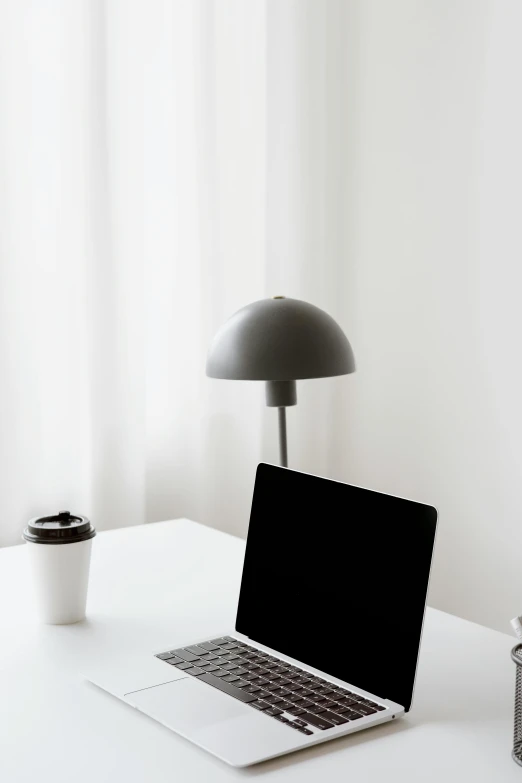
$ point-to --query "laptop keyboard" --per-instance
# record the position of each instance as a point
(266, 683)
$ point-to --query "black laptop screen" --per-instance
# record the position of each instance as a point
(336, 576)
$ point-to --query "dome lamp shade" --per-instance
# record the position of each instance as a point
(280, 341)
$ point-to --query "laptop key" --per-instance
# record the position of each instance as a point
(231, 678)
(209, 646)
(194, 649)
(220, 642)
(259, 705)
(317, 720)
(281, 692)
(174, 661)
(352, 715)
(253, 689)
(337, 720)
(273, 711)
(305, 731)
(273, 699)
(194, 670)
(379, 707)
(230, 658)
(226, 687)
(164, 656)
(184, 665)
(296, 711)
(346, 701)
(186, 655)
(362, 708)
(220, 673)
(240, 671)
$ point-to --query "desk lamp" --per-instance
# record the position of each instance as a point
(280, 341)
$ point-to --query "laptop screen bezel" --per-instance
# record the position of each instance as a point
(262, 476)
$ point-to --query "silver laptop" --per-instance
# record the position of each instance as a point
(327, 631)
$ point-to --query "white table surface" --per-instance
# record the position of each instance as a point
(170, 583)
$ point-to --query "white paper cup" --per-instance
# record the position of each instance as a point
(59, 548)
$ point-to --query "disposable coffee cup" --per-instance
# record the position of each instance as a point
(59, 547)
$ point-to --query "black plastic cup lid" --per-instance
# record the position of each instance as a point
(62, 528)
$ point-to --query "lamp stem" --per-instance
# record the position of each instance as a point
(283, 446)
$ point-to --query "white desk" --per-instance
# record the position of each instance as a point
(169, 583)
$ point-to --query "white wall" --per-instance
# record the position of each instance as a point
(413, 169)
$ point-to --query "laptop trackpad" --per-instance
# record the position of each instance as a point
(188, 706)
(215, 721)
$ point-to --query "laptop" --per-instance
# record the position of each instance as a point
(327, 631)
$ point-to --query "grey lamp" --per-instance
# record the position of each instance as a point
(280, 341)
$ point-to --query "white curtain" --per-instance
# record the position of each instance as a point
(131, 225)
(163, 163)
